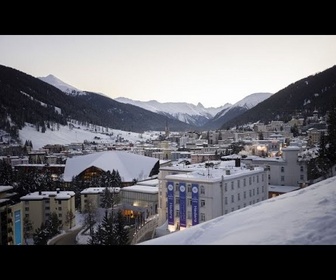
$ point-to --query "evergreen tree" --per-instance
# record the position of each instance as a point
(6, 173)
(41, 235)
(90, 215)
(331, 138)
(53, 225)
(27, 229)
(121, 233)
(105, 233)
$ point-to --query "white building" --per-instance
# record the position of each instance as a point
(194, 194)
(286, 170)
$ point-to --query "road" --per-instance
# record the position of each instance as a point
(69, 238)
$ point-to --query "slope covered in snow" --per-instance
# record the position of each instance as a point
(54, 81)
(303, 217)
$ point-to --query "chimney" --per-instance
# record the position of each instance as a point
(58, 190)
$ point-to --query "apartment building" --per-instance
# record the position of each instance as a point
(38, 206)
(193, 194)
(11, 230)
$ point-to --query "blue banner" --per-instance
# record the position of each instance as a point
(170, 196)
(183, 220)
(17, 227)
(194, 204)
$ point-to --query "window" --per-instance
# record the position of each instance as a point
(60, 215)
(238, 183)
(244, 194)
(202, 217)
(250, 180)
(301, 177)
(26, 202)
(250, 193)
(244, 182)
(301, 168)
(177, 200)
(202, 203)
(59, 202)
(27, 216)
(225, 200)
(26, 208)
(232, 198)
(244, 204)
(190, 201)
(202, 190)
(238, 207)
(177, 213)
(232, 187)
(282, 169)
(253, 192)
(238, 196)
(262, 177)
(189, 215)
(232, 209)
(47, 208)
(257, 178)
(189, 189)
(177, 187)
(257, 190)
(85, 195)
(225, 187)
(282, 178)
(262, 189)
(60, 208)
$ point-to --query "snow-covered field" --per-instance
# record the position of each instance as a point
(78, 134)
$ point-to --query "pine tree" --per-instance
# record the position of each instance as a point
(121, 233)
(331, 137)
(27, 229)
(41, 235)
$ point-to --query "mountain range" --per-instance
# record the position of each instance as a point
(45, 101)
(196, 115)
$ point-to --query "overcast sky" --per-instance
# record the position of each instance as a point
(211, 69)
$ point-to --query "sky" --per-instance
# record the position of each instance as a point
(210, 69)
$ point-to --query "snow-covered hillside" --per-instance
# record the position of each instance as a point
(303, 217)
(78, 134)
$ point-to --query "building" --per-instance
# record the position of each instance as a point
(11, 229)
(285, 170)
(38, 206)
(131, 167)
(193, 194)
(94, 196)
(140, 199)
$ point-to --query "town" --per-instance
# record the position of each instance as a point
(167, 184)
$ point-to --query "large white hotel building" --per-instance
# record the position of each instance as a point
(193, 194)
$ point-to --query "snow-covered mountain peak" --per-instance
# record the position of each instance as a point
(253, 99)
(54, 81)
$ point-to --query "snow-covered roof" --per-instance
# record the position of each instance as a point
(282, 189)
(130, 166)
(5, 188)
(46, 194)
(142, 189)
(98, 190)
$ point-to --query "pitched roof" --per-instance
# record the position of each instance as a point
(130, 166)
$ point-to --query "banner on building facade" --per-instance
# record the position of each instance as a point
(194, 204)
(170, 199)
(17, 228)
(183, 220)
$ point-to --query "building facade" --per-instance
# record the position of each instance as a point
(193, 195)
(38, 206)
